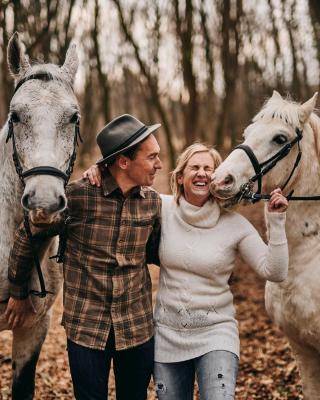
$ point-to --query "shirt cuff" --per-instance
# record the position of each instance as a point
(19, 292)
(276, 227)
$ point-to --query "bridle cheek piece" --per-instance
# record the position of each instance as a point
(42, 170)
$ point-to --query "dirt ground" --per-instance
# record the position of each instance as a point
(267, 369)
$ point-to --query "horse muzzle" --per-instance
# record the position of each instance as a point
(224, 187)
(43, 197)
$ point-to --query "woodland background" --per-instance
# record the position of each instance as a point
(202, 68)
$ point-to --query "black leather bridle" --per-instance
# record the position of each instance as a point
(261, 169)
(41, 170)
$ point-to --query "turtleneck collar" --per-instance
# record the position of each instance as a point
(200, 217)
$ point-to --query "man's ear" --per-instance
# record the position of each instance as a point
(123, 162)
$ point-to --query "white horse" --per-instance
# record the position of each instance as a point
(294, 304)
(43, 111)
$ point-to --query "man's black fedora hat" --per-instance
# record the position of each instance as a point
(120, 135)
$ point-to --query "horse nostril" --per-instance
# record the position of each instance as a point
(228, 180)
(26, 200)
(62, 203)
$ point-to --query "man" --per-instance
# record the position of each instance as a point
(112, 234)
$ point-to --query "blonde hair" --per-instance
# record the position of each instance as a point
(182, 161)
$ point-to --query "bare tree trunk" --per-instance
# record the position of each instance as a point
(295, 83)
(185, 31)
(89, 122)
(103, 79)
(229, 60)
(152, 82)
(208, 131)
(314, 6)
(277, 58)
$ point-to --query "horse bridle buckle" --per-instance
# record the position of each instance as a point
(246, 191)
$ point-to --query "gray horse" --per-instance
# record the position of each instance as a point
(42, 114)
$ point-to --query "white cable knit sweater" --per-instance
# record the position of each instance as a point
(194, 311)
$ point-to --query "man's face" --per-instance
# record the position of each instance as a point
(142, 169)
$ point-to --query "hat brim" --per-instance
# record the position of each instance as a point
(139, 139)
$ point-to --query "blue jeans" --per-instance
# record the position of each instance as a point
(90, 370)
(216, 373)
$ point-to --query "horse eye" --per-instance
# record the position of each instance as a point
(280, 139)
(15, 117)
(74, 118)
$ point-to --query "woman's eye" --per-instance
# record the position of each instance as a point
(15, 117)
(280, 139)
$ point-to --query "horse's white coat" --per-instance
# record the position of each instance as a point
(44, 137)
(293, 304)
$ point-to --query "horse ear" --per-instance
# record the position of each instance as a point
(276, 95)
(307, 108)
(71, 63)
(17, 60)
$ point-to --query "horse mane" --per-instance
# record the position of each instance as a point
(314, 122)
(280, 109)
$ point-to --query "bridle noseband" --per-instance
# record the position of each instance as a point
(42, 170)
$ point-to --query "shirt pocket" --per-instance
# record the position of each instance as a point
(142, 222)
(139, 232)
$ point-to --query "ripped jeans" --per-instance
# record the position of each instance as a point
(216, 373)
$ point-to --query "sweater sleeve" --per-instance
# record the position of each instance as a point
(269, 261)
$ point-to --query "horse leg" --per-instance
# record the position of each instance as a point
(308, 360)
(26, 346)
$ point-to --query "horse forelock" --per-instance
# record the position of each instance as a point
(282, 110)
(51, 69)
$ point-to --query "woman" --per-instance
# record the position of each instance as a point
(196, 333)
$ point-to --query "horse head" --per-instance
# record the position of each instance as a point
(43, 117)
(275, 139)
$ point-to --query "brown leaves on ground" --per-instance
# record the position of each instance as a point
(267, 369)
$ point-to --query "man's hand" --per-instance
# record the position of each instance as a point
(93, 174)
(277, 202)
(17, 311)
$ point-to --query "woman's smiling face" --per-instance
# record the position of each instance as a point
(196, 178)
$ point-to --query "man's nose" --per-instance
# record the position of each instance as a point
(158, 163)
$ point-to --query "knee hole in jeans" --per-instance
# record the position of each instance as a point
(160, 387)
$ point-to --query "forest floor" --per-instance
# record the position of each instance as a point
(267, 368)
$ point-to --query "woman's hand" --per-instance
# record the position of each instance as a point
(277, 202)
(93, 174)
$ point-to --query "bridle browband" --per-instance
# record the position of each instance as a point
(261, 169)
(41, 170)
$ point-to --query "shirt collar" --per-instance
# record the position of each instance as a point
(110, 185)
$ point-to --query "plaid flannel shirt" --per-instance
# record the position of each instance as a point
(106, 279)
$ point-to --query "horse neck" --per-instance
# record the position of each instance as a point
(10, 187)
(303, 217)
